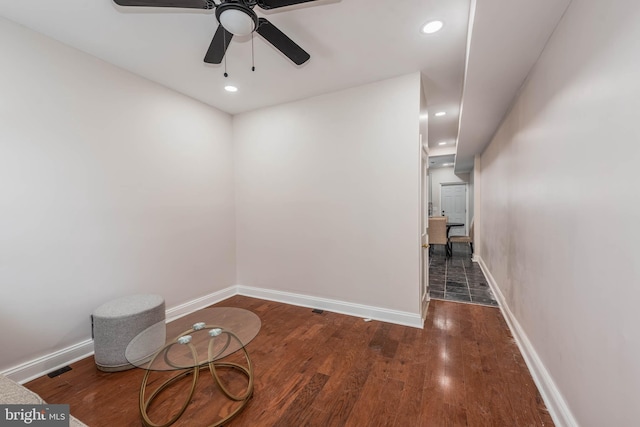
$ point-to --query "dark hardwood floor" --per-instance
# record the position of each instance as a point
(462, 369)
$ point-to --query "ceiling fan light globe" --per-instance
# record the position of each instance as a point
(237, 22)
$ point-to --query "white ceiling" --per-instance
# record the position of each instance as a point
(351, 42)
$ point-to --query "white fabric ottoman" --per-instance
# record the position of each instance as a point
(117, 322)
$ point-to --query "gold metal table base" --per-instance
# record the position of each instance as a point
(195, 371)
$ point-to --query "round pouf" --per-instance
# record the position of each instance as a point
(117, 322)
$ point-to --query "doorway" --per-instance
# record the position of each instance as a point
(453, 200)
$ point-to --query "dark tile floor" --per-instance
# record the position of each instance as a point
(458, 278)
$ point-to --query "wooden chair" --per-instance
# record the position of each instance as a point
(438, 232)
(463, 239)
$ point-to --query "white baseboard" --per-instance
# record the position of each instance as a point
(557, 406)
(342, 307)
(199, 303)
(38, 367)
(425, 308)
(42, 365)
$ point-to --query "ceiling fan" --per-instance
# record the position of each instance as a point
(236, 17)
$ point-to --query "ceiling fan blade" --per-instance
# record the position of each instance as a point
(281, 42)
(189, 4)
(273, 4)
(218, 46)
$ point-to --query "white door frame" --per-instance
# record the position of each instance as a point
(424, 233)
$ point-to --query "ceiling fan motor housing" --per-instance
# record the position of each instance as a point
(237, 18)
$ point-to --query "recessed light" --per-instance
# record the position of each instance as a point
(446, 164)
(230, 88)
(432, 27)
(442, 143)
(441, 113)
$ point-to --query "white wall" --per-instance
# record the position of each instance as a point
(560, 241)
(471, 191)
(439, 176)
(328, 195)
(109, 185)
(476, 213)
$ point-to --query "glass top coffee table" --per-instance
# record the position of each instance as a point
(200, 340)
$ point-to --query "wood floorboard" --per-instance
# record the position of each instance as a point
(328, 369)
(297, 412)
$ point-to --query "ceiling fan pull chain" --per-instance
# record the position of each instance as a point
(224, 40)
(253, 61)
